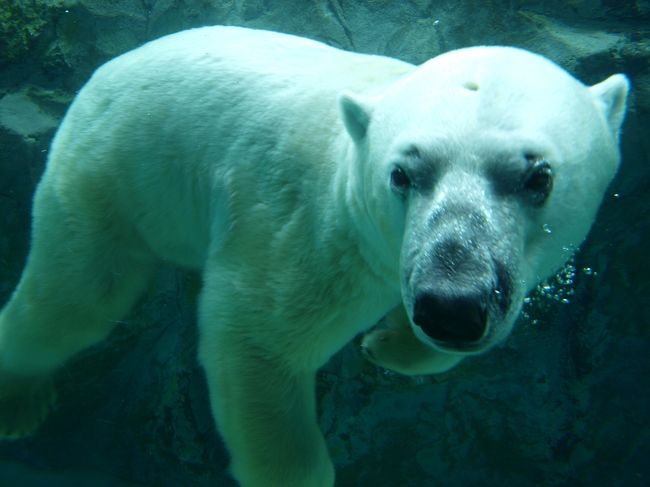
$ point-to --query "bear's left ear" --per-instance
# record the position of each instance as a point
(356, 115)
(611, 96)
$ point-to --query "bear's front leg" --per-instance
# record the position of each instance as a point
(266, 414)
(395, 347)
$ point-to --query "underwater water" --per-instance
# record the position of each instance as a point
(564, 401)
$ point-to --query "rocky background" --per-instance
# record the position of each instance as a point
(564, 402)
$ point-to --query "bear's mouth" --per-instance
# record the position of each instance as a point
(460, 319)
(463, 320)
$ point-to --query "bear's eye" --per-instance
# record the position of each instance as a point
(399, 181)
(538, 181)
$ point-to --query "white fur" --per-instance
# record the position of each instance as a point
(264, 160)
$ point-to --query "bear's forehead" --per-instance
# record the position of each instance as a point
(456, 113)
(488, 82)
(547, 103)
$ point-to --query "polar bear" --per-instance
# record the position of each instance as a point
(317, 190)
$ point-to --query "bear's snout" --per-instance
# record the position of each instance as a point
(453, 321)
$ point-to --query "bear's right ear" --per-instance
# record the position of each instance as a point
(356, 116)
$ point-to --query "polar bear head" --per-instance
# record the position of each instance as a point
(480, 174)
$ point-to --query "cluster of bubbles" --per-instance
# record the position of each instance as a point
(557, 289)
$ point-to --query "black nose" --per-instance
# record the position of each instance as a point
(451, 319)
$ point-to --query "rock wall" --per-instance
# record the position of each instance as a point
(563, 402)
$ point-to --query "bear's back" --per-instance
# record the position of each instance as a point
(258, 55)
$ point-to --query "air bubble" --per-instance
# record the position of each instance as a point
(557, 289)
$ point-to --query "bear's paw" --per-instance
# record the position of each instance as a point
(397, 349)
(25, 402)
(382, 347)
